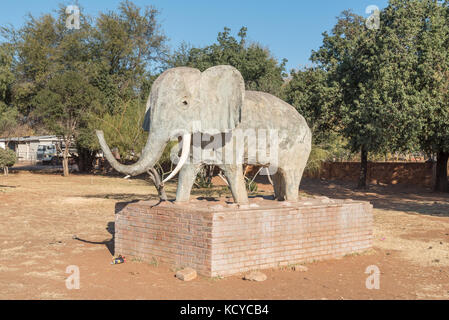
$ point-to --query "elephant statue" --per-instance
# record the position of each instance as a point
(186, 102)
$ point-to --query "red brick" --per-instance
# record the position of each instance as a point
(233, 241)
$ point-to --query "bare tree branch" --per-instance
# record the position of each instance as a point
(158, 183)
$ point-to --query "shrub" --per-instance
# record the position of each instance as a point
(317, 156)
(7, 159)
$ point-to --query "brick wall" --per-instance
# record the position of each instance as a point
(165, 233)
(390, 173)
(220, 239)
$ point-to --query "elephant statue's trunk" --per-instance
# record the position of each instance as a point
(150, 155)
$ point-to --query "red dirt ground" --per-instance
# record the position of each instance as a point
(41, 213)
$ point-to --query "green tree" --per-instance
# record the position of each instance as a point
(311, 92)
(261, 71)
(6, 73)
(127, 47)
(52, 62)
(7, 159)
(129, 42)
(344, 54)
(414, 65)
(8, 113)
(114, 53)
(64, 104)
(125, 129)
(371, 115)
(433, 85)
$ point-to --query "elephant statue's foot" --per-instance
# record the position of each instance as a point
(186, 179)
(278, 186)
(181, 202)
(234, 175)
(286, 185)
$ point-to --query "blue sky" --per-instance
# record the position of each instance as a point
(290, 29)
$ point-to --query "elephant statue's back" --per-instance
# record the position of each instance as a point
(264, 111)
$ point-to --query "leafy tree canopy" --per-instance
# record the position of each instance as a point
(7, 158)
(312, 94)
(261, 71)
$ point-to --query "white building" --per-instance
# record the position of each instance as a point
(26, 147)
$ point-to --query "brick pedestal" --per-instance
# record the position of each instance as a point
(219, 239)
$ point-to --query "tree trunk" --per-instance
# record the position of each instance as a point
(363, 169)
(5, 170)
(65, 157)
(86, 159)
(441, 183)
(162, 194)
(65, 163)
(157, 181)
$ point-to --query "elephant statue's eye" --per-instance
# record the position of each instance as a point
(185, 102)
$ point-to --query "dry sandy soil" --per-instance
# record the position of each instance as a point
(41, 213)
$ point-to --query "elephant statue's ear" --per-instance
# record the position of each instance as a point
(151, 99)
(222, 91)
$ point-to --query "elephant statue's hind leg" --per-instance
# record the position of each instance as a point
(186, 179)
(234, 175)
(278, 186)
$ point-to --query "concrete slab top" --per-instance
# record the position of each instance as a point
(223, 205)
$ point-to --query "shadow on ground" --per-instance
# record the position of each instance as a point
(397, 198)
(409, 199)
(39, 168)
(108, 243)
(130, 197)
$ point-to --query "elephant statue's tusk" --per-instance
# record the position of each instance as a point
(184, 155)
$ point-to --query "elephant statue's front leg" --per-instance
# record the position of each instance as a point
(186, 179)
(234, 175)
